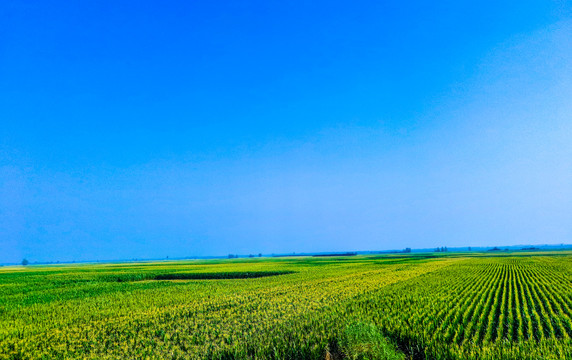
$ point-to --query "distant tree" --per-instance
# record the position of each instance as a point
(250, 255)
(259, 254)
(437, 250)
(407, 250)
(25, 262)
(469, 248)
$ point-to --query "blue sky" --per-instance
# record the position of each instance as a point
(144, 129)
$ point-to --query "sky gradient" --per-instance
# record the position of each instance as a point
(145, 130)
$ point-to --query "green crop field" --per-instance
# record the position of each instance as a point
(506, 306)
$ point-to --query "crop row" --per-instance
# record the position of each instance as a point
(496, 306)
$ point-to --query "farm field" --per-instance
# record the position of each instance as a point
(502, 306)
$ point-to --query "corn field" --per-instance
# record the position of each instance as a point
(514, 306)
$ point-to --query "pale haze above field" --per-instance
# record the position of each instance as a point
(144, 129)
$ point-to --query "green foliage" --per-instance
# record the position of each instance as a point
(362, 341)
(146, 276)
(447, 307)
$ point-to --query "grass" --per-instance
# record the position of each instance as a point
(363, 341)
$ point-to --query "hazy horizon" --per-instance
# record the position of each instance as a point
(154, 130)
(499, 248)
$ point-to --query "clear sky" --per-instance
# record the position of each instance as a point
(146, 129)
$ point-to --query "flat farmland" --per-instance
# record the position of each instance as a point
(502, 306)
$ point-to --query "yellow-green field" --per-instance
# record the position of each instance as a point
(515, 306)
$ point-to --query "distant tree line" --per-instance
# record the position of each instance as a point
(234, 256)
